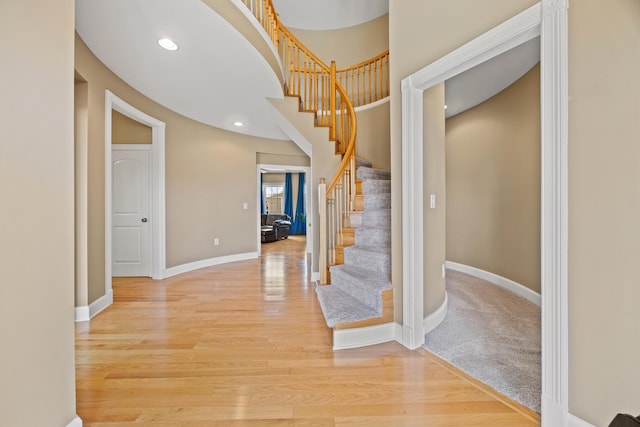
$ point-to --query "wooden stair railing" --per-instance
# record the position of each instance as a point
(332, 95)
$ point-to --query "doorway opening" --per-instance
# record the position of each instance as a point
(551, 26)
(283, 190)
(156, 218)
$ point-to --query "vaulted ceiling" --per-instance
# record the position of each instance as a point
(218, 77)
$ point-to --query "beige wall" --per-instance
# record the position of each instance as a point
(210, 173)
(347, 46)
(37, 373)
(493, 184)
(604, 209)
(420, 32)
(372, 141)
(434, 182)
(127, 131)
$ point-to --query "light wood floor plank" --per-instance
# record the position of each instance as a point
(244, 344)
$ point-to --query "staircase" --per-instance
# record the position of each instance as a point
(354, 207)
(360, 293)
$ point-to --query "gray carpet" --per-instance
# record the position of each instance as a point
(356, 286)
(493, 335)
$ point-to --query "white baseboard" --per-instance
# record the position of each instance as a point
(315, 276)
(362, 337)
(185, 268)
(76, 422)
(573, 421)
(434, 319)
(100, 304)
(503, 282)
(82, 313)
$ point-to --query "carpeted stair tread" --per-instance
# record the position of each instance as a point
(371, 173)
(338, 306)
(364, 285)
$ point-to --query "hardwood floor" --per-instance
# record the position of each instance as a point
(244, 344)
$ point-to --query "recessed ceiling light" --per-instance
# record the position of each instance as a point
(168, 44)
(238, 124)
(445, 106)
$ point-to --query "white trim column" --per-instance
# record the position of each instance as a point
(412, 216)
(554, 212)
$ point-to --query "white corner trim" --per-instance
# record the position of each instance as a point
(75, 422)
(362, 337)
(434, 319)
(412, 217)
(100, 304)
(573, 421)
(315, 276)
(185, 268)
(82, 313)
(498, 280)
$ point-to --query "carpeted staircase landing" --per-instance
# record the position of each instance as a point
(356, 286)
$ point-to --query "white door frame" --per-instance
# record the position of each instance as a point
(548, 19)
(307, 202)
(158, 239)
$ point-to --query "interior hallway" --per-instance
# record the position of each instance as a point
(245, 344)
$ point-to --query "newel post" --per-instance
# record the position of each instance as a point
(322, 213)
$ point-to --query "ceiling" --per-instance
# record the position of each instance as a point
(328, 14)
(195, 82)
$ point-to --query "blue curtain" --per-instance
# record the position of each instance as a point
(299, 225)
(262, 210)
(288, 198)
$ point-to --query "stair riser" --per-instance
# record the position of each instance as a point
(377, 201)
(357, 289)
(368, 236)
(379, 262)
(367, 173)
(376, 218)
(376, 186)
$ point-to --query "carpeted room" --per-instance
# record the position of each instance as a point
(493, 231)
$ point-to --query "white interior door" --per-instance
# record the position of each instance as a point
(130, 231)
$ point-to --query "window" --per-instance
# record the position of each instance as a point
(273, 197)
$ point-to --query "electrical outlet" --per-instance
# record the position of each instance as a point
(245, 206)
(216, 241)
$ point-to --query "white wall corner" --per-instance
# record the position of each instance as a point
(434, 319)
(75, 422)
(100, 304)
(82, 313)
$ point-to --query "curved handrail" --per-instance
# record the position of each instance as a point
(367, 81)
(351, 146)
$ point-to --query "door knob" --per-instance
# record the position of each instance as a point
(144, 220)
